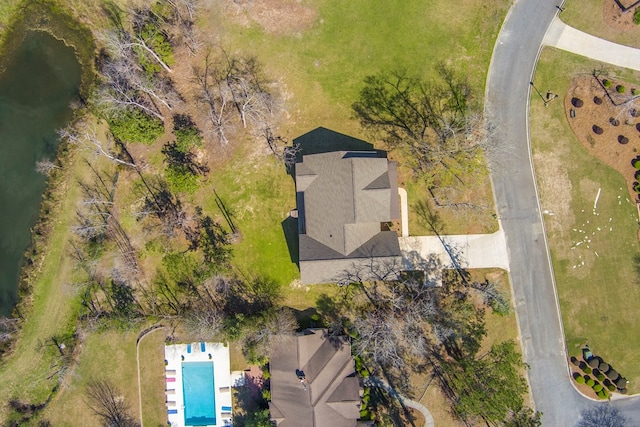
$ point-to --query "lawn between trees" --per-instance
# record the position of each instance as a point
(597, 285)
(246, 176)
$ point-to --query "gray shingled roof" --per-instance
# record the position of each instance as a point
(343, 197)
(332, 395)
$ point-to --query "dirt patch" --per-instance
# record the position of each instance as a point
(555, 187)
(606, 120)
(278, 17)
(614, 17)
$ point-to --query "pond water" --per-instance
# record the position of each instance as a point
(40, 77)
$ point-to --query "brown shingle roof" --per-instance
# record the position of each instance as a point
(332, 395)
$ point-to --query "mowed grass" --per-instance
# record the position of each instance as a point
(111, 356)
(597, 281)
(25, 373)
(322, 68)
(587, 15)
(259, 195)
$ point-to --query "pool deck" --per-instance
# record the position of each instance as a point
(216, 353)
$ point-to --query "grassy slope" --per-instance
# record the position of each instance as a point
(599, 300)
(24, 373)
(586, 15)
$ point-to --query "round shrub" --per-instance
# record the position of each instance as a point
(621, 89)
(590, 382)
(623, 391)
(611, 387)
(606, 83)
(636, 164)
(613, 374)
(586, 370)
(634, 112)
(602, 394)
(600, 376)
(597, 387)
(635, 91)
(636, 188)
(622, 140)
(577, 102)
(604, 367)
(580, 379)
(597, 100)
(597, 130)
(614, 122)
(574, 360)
(621, 382)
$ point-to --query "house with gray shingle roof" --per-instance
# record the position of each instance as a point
(313, 382)
(345, 200)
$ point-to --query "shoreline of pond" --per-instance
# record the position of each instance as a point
(50, 17)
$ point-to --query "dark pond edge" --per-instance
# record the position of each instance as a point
(52, 17)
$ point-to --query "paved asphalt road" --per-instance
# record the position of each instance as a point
(514, 59)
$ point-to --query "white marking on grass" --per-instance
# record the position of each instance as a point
(595, 204)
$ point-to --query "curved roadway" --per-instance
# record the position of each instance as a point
(507, 104)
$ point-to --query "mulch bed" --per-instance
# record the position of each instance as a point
(606, 122)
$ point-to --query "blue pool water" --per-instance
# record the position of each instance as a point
(198, 390)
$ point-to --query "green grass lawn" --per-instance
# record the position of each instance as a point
(259, 195)
(323, 67)
(597, 281)
(586, 15)
(112, 355)
(52, 312)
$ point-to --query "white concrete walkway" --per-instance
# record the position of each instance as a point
(404, 211)
(564, 37)
(467, 251)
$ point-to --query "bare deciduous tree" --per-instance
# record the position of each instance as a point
(46, 166)
(85, 136)
(216, 96)
(204, 324)
(106, 401)
(184, 13)
(436, 125)
(122, 44)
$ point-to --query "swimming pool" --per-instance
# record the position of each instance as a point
(199, 397)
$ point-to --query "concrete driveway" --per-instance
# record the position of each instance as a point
(450, 251)
(564, 37)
